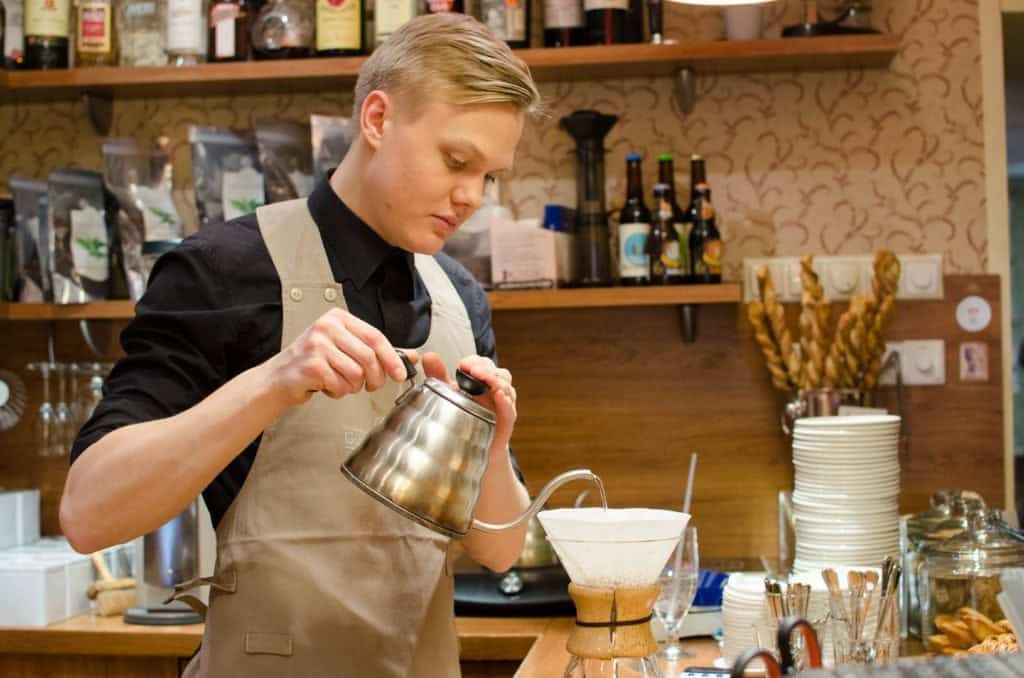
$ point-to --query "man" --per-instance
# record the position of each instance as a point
(245, 320)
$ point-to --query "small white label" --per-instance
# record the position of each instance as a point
(973, 314)
(589, 5)
(89, 244)
(563, 14)
(186, 26)
(974, 361)
(634, 262)
(159, 214)
(225, 38)
(5, 393)
(242, 192)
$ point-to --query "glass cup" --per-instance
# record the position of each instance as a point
(862, 631)
(766, 635)
(678, 583)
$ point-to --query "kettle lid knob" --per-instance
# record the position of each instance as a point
(469, 384)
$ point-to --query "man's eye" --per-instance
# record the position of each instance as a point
(455, 163)
(490, 178)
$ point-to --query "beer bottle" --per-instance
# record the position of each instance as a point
(663, 244)
(634, 228)
(563, 23)
(705, 241)
(666, 175)
(97, 35)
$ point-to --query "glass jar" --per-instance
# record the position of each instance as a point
(964, 571)
(946, 518)
(283, 29)
(142, 32)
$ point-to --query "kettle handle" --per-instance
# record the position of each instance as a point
(539, 501)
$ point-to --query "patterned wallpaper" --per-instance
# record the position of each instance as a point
(829, 163)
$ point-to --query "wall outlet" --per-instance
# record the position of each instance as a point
(923, 362)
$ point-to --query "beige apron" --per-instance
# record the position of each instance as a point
(313, 577)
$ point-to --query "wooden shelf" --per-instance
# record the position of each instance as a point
(506, 300)
(616, 61)
(92, 310)
(523, 300)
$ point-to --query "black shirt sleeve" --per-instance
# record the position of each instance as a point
(175, 347)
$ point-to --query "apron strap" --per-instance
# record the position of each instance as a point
(225, 582)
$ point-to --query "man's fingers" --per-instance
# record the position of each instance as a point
(379, 344)
(433, 366)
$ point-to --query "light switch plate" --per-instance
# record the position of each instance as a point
(842, 276)
(923, 362)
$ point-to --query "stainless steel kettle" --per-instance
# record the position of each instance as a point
(427, 457)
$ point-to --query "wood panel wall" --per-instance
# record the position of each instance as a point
(617, 391)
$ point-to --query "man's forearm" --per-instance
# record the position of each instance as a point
(502, 498)
(138, 477)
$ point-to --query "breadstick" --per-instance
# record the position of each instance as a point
(759, 320)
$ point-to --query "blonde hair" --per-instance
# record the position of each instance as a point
(453, 55)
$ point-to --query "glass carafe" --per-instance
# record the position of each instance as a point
(630, 667)
(283, 29)
(964, 571)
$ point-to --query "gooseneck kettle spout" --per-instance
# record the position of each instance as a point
(427, 457)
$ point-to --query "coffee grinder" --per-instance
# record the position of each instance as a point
(589, 129)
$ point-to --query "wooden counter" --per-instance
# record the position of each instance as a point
(94, 646)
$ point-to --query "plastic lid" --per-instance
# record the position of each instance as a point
(632, 156)
(664, 156)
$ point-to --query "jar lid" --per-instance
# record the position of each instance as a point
(954, 523)
(987, 540)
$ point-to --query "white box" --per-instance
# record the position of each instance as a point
(523, 254)
(19, 517)
(32, 592)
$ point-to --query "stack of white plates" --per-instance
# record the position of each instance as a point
(743, 606)
(846, 491)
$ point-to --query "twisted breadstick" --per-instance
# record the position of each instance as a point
(777, 322)
(759, 320)
(886, 274)
(813, 325)
(878, 329)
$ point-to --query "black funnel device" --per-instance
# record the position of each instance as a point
(589, 129)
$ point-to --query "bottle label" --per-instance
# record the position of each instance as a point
(186, 26)
(338, 24)
(222, 21)
(682, 230)
(89, 245)
(94, 27)
(242, 192)
(710, 260)
(390, 15)
(140, 9)
(440, 6)
(670, 256)
(515, 19)
(633, 258)
(589, 5)
(563, 14)
(14, 31)
(51, 18)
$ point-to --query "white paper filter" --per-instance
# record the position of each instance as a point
(614, 547)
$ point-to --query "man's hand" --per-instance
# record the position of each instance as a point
(338, 354)
(500, 397)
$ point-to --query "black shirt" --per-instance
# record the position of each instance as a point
(213, 310)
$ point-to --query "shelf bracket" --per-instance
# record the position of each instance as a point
(99, 109)
(688, 322)
(685, 87)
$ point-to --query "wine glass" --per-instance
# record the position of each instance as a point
(678, 583)
(46, 417)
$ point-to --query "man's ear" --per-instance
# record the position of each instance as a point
(375, 111)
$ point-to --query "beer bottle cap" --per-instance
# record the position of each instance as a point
(632, 156)
(664, 156)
